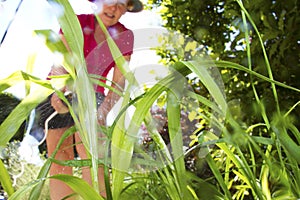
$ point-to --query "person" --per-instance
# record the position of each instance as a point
(99, 61)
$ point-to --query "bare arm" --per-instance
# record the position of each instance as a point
(112, 98)
(56, 102)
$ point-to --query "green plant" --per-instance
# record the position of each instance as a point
(247, 159)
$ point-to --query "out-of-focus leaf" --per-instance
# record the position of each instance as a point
(5, 180)
(71, 28)
(12, 123)
(80, 186)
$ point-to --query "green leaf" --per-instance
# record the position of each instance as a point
(55, 44)
(12, 123)
(218, 175)
(192, 115)
(5, 180)
(190, 46)
(19, 77)
(22, 191)
(80, 186)
(175, 133)
(279, 126)
(209, 82)
(71, 29)
(87, 124)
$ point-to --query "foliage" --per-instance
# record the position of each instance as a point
(236, 152)
(267, 43)
(7, 104)
(219, 28)
(19, 171)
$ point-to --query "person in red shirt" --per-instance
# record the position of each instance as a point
(99, 61)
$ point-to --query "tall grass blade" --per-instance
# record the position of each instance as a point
(227, 64)
(263, 111)
(218, 175)
(122, 144)
(29, 70)
(55, 44)
(87, 112)
(19, 77)
(5, 180)
(174, 126)
(244, 169)
(204, 189)
(118, 136)
(119, 59)
(264, 52)
(170, 184)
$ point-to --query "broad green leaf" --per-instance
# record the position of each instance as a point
(80, 186)
(22, 191)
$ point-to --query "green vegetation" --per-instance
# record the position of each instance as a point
(245, 139)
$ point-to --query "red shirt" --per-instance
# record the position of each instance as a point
(98, 56)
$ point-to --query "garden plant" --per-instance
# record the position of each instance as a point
(219, 125)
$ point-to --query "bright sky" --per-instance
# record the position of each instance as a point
(20, 43)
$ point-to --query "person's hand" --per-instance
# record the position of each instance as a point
(58, 104)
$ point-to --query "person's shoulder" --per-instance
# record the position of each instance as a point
(121, 30)
(121, 27)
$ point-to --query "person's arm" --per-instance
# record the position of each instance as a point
(118, 83)
(56, 102)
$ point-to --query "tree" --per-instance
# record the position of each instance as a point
(218, 26)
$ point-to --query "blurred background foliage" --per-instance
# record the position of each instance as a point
(218, 28)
